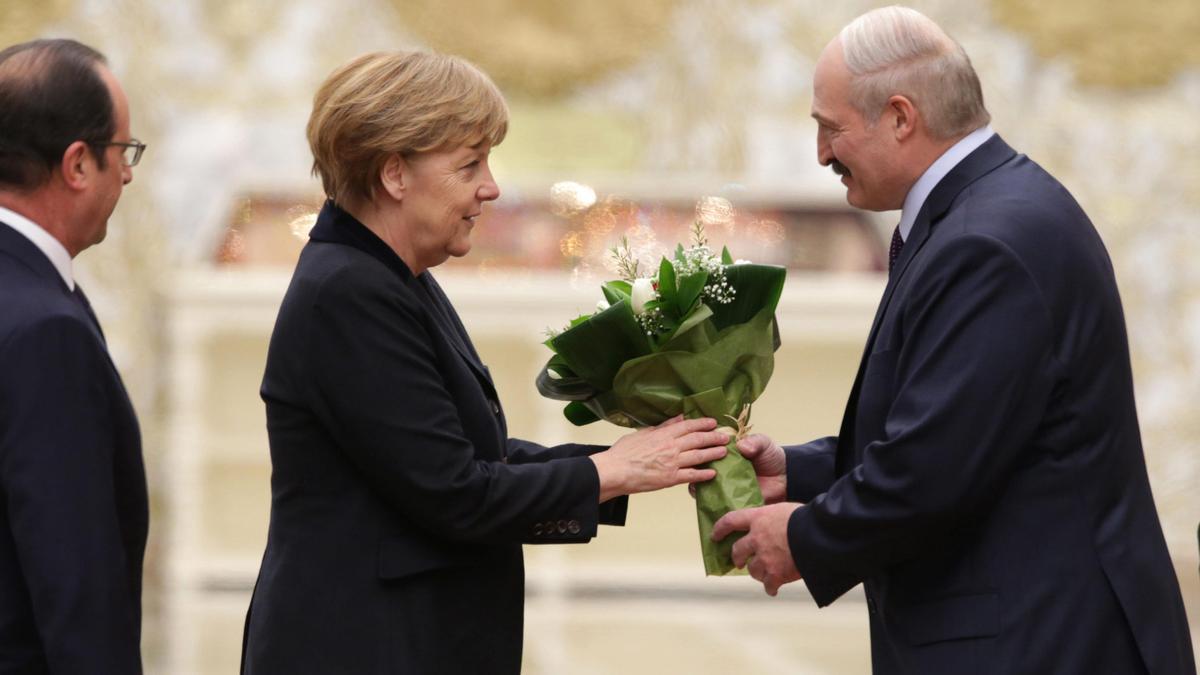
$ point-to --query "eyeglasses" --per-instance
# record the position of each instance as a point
(131, 150)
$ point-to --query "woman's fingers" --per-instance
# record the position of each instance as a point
(669, 422)
(704, 439)
(696, 475)
(689, 458)
(685, 427)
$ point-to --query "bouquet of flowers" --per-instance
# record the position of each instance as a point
(696, 336)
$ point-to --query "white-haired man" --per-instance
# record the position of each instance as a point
(988, 484)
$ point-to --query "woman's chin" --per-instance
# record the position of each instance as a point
(459, 249)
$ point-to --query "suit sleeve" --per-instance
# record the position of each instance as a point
(972, 376)
(810, 468)
(612, 512)
(388, 408)
(56, 468)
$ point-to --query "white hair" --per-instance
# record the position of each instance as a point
(899, 51)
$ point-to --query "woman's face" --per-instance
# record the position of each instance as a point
(444, 193)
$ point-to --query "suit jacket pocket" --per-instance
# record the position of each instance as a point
(404, 557)
(953, 618)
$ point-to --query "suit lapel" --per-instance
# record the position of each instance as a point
(24, 251)
(453, 330)
(983, 160)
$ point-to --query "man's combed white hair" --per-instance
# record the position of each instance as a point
(899, 51)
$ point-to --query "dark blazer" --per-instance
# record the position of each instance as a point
(398, 502)
(988, 483)
(73, 513)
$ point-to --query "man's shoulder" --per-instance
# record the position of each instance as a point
(29, 302)
(1019, 200)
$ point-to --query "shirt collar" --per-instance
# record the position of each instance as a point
(50, 247)
(936, 172)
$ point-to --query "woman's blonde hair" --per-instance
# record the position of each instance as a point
(397, 102)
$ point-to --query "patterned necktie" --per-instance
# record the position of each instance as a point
(894, 251)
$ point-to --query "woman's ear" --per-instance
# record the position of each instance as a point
(394, 176)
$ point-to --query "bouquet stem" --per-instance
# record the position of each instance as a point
(735, 487)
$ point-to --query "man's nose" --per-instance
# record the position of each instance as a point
(824, 153)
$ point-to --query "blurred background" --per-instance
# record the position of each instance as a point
(629, 117)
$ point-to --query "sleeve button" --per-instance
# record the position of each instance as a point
(573, 527)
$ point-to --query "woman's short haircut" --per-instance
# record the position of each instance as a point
(51, 95)
(899, 51)
(397, 102)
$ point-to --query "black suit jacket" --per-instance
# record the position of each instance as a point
(988, 482)
(73, 513)
(399, 504)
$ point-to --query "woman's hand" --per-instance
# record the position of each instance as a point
(657, 457)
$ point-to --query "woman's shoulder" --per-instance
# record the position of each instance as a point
(330, 271)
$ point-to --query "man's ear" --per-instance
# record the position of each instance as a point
(902, 116)
(77, 165)
(394, 175)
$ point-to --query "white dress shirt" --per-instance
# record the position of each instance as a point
(936, 172)
(50, 247)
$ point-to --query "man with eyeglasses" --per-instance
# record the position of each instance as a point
(73, 506)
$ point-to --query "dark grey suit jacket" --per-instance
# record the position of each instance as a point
(399, 504)
(988, 483)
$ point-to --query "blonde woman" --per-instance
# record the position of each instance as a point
(399, 503)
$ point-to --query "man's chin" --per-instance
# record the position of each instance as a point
(859, 201)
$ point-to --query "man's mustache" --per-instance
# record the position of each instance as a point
(839, 168)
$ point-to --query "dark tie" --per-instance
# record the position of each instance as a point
(894, 251)
(87, 306)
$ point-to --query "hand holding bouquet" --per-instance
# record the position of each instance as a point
(696, 336)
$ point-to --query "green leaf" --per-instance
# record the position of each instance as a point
(690, 288)
(757, 287)
(615, 291)
(620, 286)
(565, 385)
(579, 414)
(726, 259)
(679, 253)
(597, 347)
(666, 287)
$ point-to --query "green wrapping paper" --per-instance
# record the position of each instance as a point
(735, 487)
(715, 364)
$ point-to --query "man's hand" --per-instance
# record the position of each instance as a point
(769, 464)
(765, 545)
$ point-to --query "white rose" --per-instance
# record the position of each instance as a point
(643, 292)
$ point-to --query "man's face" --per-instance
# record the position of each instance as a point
(110, 180)
(864, 153)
